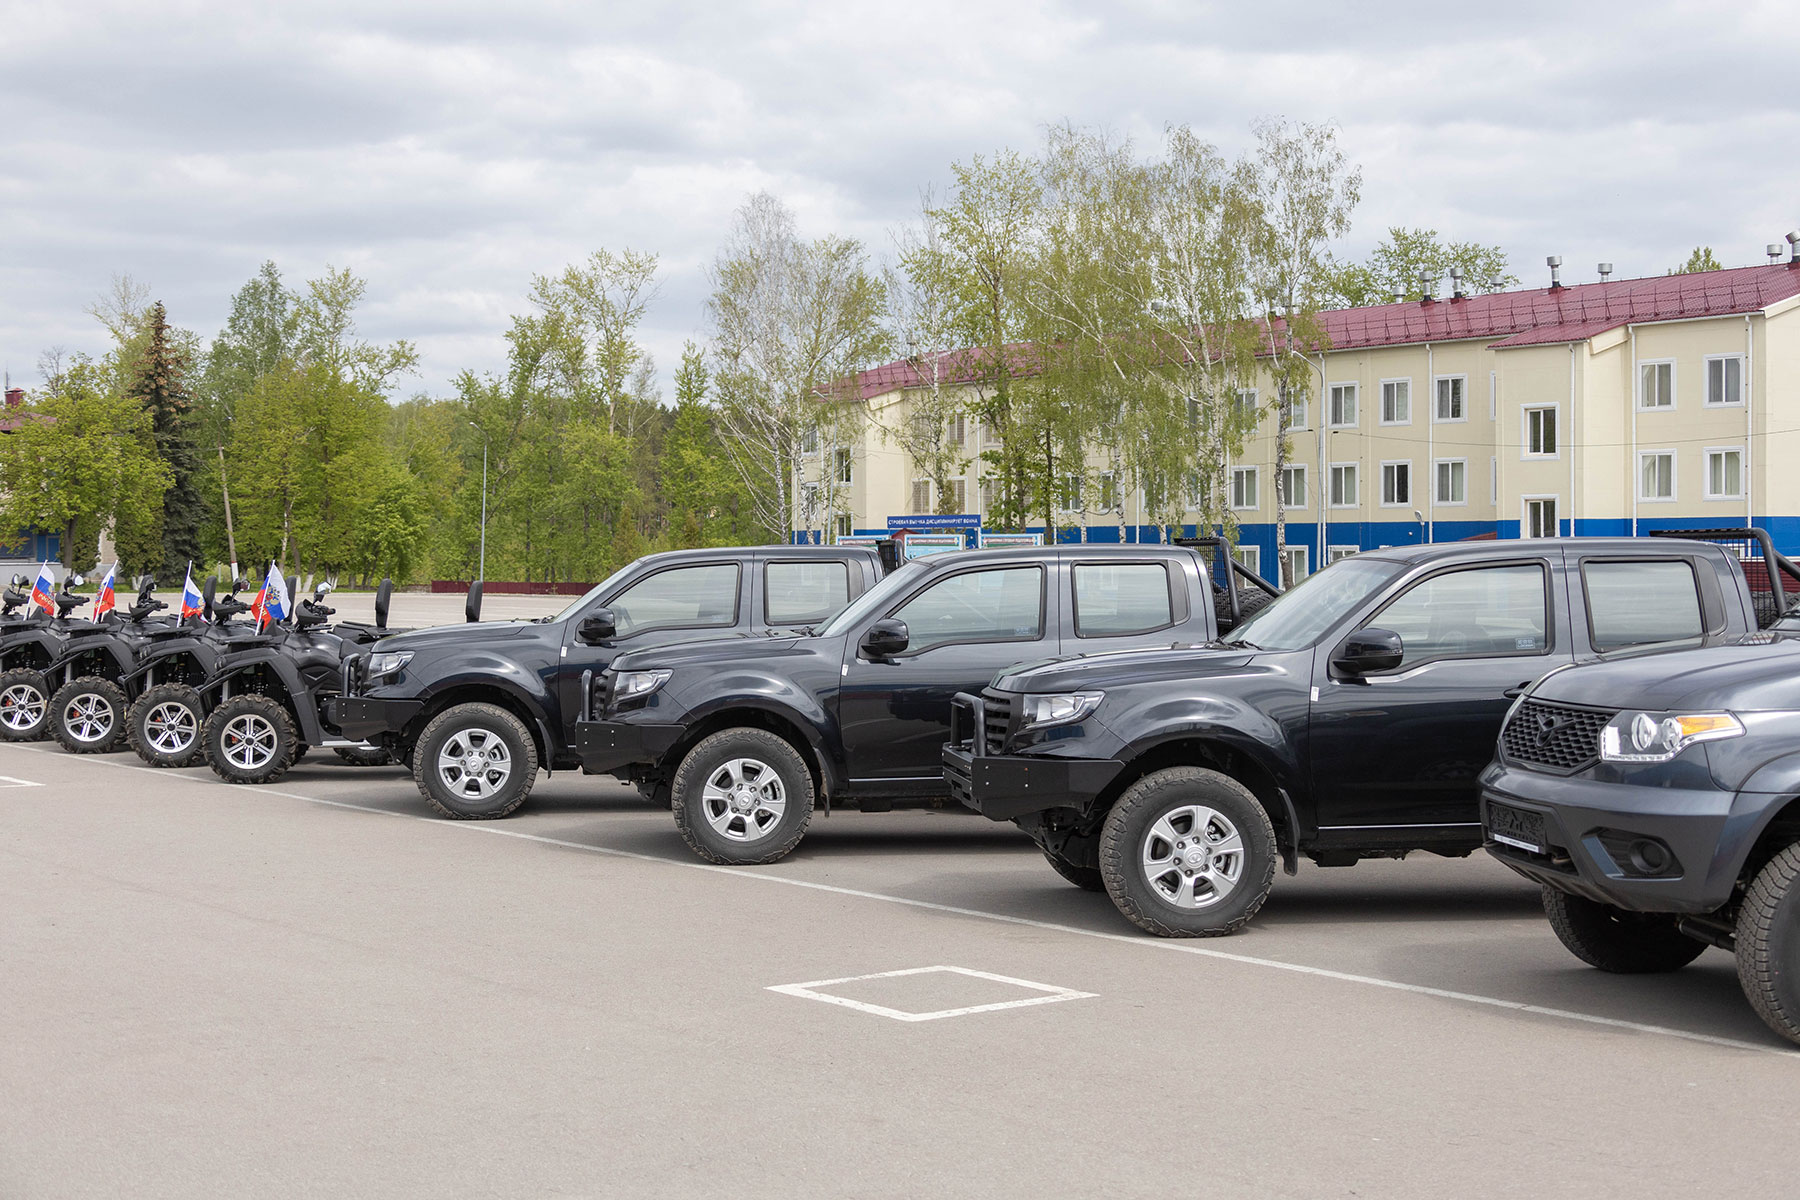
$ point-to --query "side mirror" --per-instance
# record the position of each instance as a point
(472, 607)
(598, 626)
(1367, 651)
(209, 592)
(75, 581)
(886, 638)
(18, 580)
(383, 595)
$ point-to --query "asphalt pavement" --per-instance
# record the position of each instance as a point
(315, 988)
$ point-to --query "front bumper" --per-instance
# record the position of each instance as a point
(1002, 787)
(363, 719)
(1590, 825)
(604, 746)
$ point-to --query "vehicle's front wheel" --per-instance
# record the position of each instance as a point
(1625, 943)
(1768, 944)
(164, 725)
(24, 705)
(1087, 878)
(741, 797)
(1188, 852)
(250, 739)
(475, 762)
(87, 715)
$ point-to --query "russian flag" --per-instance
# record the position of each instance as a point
(105, 602)
(272, 602)
(43, 590)
(192, 603)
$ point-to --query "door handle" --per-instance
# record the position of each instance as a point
(1513, 693)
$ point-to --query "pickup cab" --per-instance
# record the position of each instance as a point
(1348, 719)
(475, 709)
(746, 734)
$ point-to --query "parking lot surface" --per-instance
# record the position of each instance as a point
(316, 989)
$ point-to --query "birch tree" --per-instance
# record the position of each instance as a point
(922, 297)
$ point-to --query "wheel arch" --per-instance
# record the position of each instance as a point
(487, 692)
(1228, 757)
(1780, 830)
(783, 723)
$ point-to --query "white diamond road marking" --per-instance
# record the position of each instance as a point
(7, 781)
(1048, 994)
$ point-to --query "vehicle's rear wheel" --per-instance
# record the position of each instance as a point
(164, 725)
(1625, 943)
(24, 705)
(741, 797)
(475, 762)
(1768, 944)
(250, 739)
(1188, 852)
(375, 756)
(1087, 878)
(87, 715)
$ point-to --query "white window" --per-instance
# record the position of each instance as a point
(1493, 394)
(1246, 407)
(1194, 414)
(1293, 486)
(1333, 553)
(1297, 408)
(1295, 565)
(1343, 485)
(1656, 385)
(1724, 473)
(1452, 481)
(1109, 492)
(1725, 380)
(1196, 490)
(959, 430)
(1249, 558)
(1540, 517)
(1343, 405)
(1070, 498)
(1540, 432)
(921, 496)
(1396, 402)
(846, 467)
(844, 529)
(1452, 397)
(809, 441)
(1656, 475)
(1396, 483)
(1243, 487)
(959, 491)
(987, 496)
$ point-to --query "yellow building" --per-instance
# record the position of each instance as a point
(1614, 407)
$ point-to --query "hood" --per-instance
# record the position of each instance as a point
(1757, 674)
(477, 633)
(733, 648)
(1121, 667)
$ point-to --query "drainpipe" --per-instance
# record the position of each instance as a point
(1322, 484)
(1431, 442)
(1631, 471)
(1749, 421)
(1568, 442)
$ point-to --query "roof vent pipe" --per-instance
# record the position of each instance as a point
(1427, 288)
(1554, 262)
(1793, 239)
(1456, 287)
(1773, 250)
(1605, 272)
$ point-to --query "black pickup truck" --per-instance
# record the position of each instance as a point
(747, 733)
(1348, 719)
(474, 709)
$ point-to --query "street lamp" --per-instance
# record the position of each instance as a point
(482, 572)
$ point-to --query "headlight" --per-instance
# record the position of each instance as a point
(1063, 708)
(1658, 737)
(635, 685)
(387, 662)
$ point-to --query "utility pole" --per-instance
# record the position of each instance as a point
(230, 537)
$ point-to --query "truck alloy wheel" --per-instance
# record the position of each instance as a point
(475, 762)
(1768, 944)
(164, 725)
(1624, 943)
(742, 796)
(24, 706)
(1188, 852)
(250, 739)
(87, 715)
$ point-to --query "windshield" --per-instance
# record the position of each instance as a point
(1298, 617)
(593, 593)
(873, 599)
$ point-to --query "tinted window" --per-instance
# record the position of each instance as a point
(1115, 598)
(804, 593)
(1490, 612)
(1636, 603)
(693, 597)
(1299, 615)
(1002, 605)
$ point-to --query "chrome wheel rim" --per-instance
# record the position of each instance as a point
(171, 728)
(474, 764)
(1193, 857)
(249, 742)
(743, 799)
(21, 706)
(88, 717)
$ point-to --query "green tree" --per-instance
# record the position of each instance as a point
(708, 503)
(1395, 267)
(161, 542)
(1700, 260)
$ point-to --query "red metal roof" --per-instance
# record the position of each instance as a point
(1539, 316)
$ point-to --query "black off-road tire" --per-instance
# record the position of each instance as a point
(300, 752)
(356, 757)
(1251, 600)
(1129, 824)
(1768, 944)
(143, 739)
(18, 683)
(1088, 879)
(771, 841)
(475, 725)
(1623, 943)
(271, 721)
(87, 715)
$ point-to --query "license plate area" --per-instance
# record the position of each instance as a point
(1516, 827)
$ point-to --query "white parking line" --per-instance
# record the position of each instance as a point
(1140, 942)
(1048, 993)
(7, 781)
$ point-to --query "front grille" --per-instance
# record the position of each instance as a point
(998, 725)
(1555, 737)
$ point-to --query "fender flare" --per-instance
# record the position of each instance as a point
(284, 669)
(809, 726)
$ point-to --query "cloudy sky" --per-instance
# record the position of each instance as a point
(448, 151)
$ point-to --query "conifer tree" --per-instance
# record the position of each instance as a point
(158, 380)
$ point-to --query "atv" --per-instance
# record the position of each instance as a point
(87, 710)
(28, 647)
